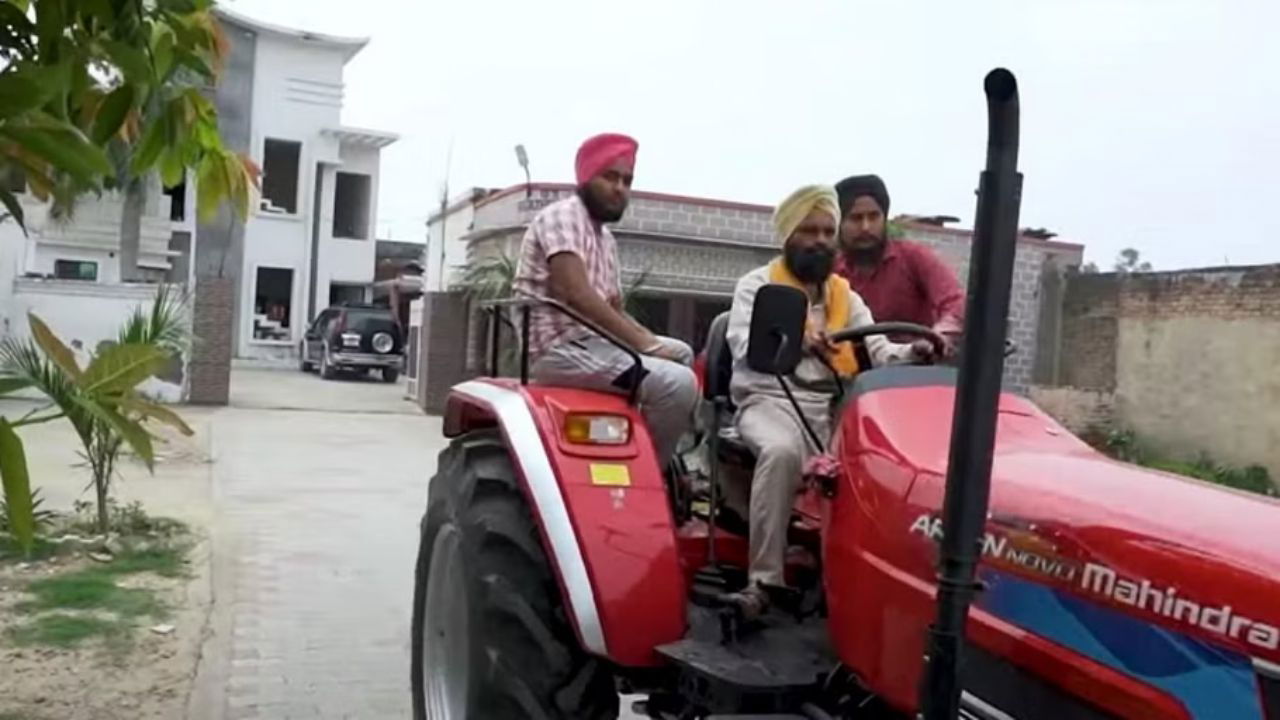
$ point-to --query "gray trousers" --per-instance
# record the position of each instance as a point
(770, 427)
(668, 392)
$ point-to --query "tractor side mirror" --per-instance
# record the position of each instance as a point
(778, 318)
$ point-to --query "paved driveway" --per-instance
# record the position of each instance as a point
(319, 486)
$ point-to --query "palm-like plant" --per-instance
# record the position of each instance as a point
(100, 400)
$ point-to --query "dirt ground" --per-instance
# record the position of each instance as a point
(151, 675)
(146, 677)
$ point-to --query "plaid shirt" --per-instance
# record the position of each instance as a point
(564, 227)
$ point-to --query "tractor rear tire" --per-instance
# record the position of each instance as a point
(490, 636)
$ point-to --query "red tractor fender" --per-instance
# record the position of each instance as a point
(602, 511)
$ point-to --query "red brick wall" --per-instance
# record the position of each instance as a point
(213, 323)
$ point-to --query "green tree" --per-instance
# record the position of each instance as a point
(1130, 261)
(84, 82)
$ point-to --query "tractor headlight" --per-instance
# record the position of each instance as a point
(383, 342)
(592, 429)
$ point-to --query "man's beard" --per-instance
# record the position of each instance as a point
(811, 265)
(598, 210)
(867, 254)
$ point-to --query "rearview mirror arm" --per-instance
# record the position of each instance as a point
(817, 442)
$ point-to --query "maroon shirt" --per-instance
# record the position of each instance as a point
(911, 284)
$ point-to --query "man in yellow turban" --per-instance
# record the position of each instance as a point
(806, 225)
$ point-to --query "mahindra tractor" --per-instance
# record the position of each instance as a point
(955, 552)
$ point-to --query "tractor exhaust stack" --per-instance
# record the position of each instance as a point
(973, 431)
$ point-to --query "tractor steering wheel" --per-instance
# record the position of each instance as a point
(886, 328)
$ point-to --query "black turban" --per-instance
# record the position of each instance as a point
(855, 186)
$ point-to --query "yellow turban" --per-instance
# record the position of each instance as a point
(792, 211)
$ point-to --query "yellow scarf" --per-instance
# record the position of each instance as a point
(837, 305)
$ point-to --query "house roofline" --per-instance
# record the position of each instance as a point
(640, 194)
(961, 232)
(494, 195)
(475, 196)
(352, 45)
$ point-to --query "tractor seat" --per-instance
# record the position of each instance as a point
(715, 389)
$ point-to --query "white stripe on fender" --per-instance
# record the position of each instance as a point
(981, 709)
(527, 451)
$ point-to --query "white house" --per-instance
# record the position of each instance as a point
(446, 250)
(310, 241)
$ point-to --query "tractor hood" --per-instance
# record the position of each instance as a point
(1182, 553)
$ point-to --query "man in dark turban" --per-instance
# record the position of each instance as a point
(900, 280)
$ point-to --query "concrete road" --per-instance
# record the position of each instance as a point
(319, 486)
(291, 389)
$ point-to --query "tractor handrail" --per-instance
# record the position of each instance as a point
(528, 301)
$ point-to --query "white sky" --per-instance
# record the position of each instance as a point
(1151, 124)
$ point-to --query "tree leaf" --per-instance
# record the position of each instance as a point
(133, 63)
(158, 412)
(53, 348)
(172, 168)
(17, 487)
(20, 92)
(62, 145)
(128, 430)
(154, 141)
(11, 204)
(211, 186)
(162, 50)
(121, 367)
(13, 384)
(111, 113)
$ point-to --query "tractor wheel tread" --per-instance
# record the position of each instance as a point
(503, 598)
(526, 659)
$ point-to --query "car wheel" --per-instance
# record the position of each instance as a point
(303, 365)
(390, 374)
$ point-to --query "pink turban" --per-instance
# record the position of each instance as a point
(600, 152)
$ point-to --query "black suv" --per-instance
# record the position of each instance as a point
(353, 337)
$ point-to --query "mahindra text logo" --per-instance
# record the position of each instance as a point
(1102, 580)
(1032, 552)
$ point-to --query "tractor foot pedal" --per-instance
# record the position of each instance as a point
(713, 582)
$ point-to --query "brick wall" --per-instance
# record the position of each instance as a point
(213, 323)
(443, 348)
(1190, 356)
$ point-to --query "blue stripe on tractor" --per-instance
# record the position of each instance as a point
(1211, 682)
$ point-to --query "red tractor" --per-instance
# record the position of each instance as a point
(559, 565)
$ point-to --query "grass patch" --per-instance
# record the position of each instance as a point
(1125, 445)
(168, 561)
(78, 605)
(90, 590)
(62, 630)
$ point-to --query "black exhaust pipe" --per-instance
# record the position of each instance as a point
(973, 431)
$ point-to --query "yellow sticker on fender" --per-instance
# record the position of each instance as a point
(610, 475)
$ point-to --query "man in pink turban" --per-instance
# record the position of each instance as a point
(569, 255)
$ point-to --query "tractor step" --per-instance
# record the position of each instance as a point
(772, 666)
